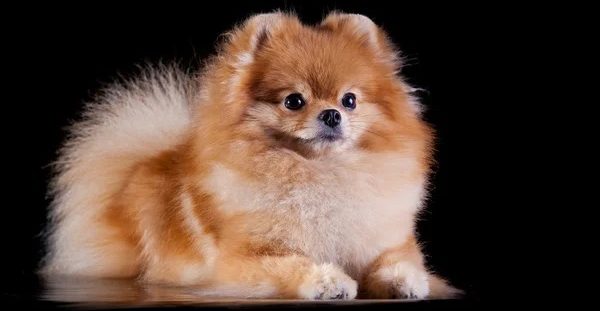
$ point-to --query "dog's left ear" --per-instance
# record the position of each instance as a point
(366, 31)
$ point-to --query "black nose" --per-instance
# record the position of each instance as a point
(331, 117)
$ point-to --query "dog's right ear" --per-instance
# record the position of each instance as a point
(244, 41)
(241, 46)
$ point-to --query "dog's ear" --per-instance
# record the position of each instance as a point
(241, 45)
(366, 32)
(245, 40)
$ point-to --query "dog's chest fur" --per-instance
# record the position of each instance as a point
(344, 210)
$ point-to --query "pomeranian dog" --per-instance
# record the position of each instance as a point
(292, 166)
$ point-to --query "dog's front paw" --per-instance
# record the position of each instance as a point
(404, 280)
(327, 281)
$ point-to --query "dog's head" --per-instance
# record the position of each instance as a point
(319, 89)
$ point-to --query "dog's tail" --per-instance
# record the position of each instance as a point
(128, 123)
(441, 289)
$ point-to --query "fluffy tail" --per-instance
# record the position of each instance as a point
(440, 289)
(128, 123)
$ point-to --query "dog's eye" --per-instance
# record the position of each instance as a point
(294, 101)
(349, 100)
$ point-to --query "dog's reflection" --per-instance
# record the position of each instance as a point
(126, 291)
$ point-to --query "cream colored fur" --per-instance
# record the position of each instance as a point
(128, 123)
(345, 216)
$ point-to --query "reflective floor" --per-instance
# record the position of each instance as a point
(60, 293)
(126, 293)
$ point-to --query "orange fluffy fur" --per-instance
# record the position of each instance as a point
(210, 181)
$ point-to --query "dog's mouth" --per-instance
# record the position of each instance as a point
(329, 135)
(324, 137)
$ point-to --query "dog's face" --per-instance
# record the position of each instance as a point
(314, 86)
(322, 89)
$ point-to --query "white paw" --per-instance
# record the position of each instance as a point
(327, 281)
(406, 280)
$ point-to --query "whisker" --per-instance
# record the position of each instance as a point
(369, 115)
(368, 130)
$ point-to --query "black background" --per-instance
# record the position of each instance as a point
(59, 56)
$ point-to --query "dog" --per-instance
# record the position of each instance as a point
(293, 165)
